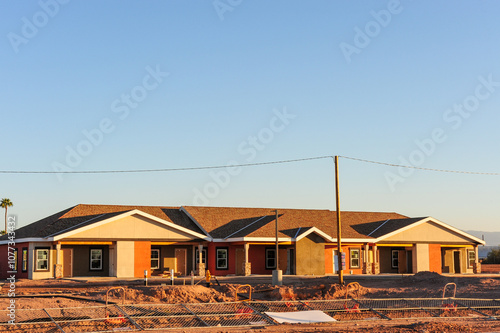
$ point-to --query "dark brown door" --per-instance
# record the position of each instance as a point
(180, 261)
(456, 262)
(240, 260)
(67, 260)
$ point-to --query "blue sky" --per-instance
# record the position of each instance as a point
(173, 84)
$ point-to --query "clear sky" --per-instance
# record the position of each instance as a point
(119, 85)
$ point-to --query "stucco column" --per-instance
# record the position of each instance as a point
(58, 267)
(247, 269)
(376, 265)
(477, 264)
(366, 260)
(201, 265)
(58, 253)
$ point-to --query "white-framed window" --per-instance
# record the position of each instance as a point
(395, 259)
(354, 258)
(95, 259)
(471, 258)
(155, 258)
(222, 258)
(24, 267)
(42, 259)
(203, 256)
(270, 258)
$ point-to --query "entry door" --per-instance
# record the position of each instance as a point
(67, 260)
(409, 262)
(291, 262)
(240, 260)
(456, 262)
(402, 263)
(181, 261)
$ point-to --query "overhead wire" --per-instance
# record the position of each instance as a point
(243, 165)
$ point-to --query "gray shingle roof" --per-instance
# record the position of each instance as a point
(225, 222)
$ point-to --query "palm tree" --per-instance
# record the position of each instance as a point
(5, 204)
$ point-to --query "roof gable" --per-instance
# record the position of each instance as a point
(134, 224)
(82, 215)
(429, 230)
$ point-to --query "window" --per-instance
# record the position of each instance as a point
(354, 258)
(222, 254)
(95, 259)
(203, 256)
(395, 259)
(24, 266)
(270, 258)
(155, 258)
(42, 259)
(471, 258)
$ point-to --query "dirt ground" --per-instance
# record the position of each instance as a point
(67, 293)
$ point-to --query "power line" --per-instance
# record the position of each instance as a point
(243, 165)
(163, 170)
(426, 169)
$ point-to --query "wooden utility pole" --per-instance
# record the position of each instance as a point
(339, 233)
(277, 274)
(277, 266)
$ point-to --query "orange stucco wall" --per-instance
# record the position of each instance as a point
(142, 258)
(328, 260)
(435, 258)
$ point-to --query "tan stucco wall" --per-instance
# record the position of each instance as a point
(124, 252)
(310, 253)
(420, 258)
(132, 227)
(449, 261)
(428, 232)
(31, 263)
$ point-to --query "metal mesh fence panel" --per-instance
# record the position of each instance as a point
(279, 306)
(229, 314)
(162, 316)
(91, 319)
(115, 318)
(24, 316)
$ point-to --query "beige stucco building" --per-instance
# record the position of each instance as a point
(126, 241)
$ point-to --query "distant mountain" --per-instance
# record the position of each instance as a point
(484, 250)
(491, 238)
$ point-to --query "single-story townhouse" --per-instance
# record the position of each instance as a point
(126, 241)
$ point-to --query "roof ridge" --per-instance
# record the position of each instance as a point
(248, 225)
(380, 226)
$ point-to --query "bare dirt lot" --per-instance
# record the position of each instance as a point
(67, 293)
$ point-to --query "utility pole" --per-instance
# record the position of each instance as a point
(339, 233)
(277, 279)
(277, 260)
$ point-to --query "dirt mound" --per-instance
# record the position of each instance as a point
(426, 277)
(317, 292)
(175, 294)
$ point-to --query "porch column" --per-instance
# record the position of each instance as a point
(477, 264)
(58, 267)
(201, 265)
(367, 269)
(376, 265)
(247, 269)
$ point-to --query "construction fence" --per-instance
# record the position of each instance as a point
(149, 317)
